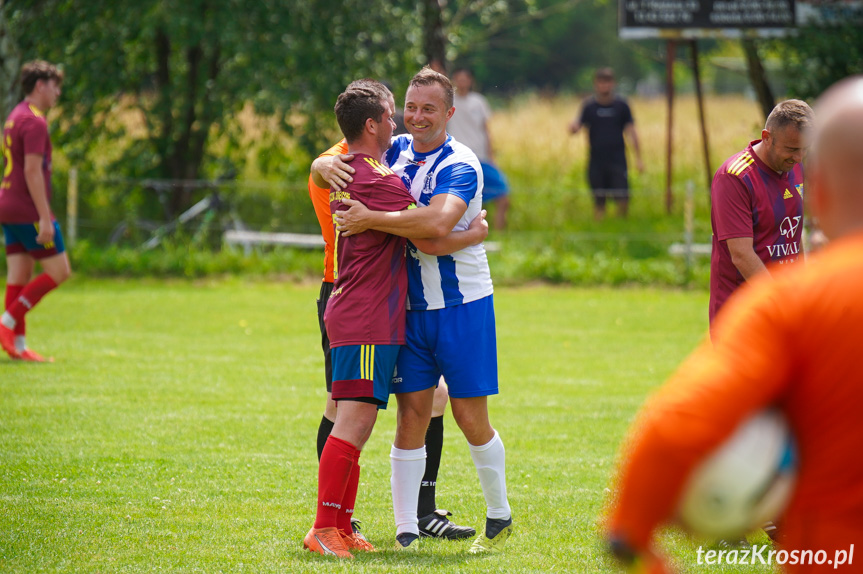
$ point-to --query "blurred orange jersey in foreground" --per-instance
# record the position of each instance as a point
(794, 340)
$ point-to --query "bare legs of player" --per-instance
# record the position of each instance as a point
(19, 279)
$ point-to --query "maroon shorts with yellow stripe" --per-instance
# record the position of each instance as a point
(364, 372)
(21, 238)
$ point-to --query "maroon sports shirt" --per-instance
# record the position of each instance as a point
(367, 306)
(25, 132)
(751, 200)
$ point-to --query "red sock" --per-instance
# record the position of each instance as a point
(12, 292)
(30, 295)
(334, 470)
(350, 498)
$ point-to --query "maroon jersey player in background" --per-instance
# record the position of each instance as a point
(30, 229)
(757, 203)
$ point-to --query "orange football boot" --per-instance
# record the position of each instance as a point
(326, 541)
(33, 356)
(7, 341)
(355, 541)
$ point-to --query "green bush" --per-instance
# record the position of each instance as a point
(563, 260)
(178, 260)
(514, 265)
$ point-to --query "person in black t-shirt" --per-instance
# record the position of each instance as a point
(607, 117)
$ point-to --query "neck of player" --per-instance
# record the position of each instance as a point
(422, 147)
(761, 151)
(365, 147)
(37, 102)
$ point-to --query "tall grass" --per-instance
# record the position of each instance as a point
(546, 166)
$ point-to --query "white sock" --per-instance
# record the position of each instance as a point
(490, 462)
(408, 469)
(20, 344)
(7, 320)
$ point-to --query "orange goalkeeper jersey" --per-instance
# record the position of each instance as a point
(321, 202)
(796, 341)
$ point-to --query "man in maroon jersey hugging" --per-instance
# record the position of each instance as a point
(365, 316)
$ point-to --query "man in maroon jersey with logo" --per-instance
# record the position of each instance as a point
(365, 316)
(30, 229)
(757, 207)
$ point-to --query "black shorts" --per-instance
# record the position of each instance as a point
(608, 181)
(323, 297)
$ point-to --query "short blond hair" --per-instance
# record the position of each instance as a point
(428, 77)
(795, 113)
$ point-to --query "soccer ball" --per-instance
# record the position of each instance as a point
(746, 482)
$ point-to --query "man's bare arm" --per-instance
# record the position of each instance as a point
(456, 240)
(333, 171)
(435, 221)
(630, 132)
(744, 257)
(36, 187)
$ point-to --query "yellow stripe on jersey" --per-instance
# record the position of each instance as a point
(744, 161)
(336, 248)
(379, 167)
(735, 163)
(747, 161)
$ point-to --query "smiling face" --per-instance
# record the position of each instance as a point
(784, 148)
(426, 115)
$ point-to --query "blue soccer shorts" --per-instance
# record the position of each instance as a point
(494, 183)
(21, 238)
(457, 342)
(364, 372)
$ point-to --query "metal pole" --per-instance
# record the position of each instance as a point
(689, 226)
(700, 97)
(72, 206)
(671, 48)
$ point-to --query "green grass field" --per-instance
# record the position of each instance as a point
(176, 429)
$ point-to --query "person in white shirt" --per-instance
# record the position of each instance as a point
(469, 125)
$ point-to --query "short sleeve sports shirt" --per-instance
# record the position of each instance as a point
(751, 200)
(605, 125)
(468, 124)
(367, 306)
(25, 132)
(442, 281)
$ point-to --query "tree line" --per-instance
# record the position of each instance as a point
(181, 70)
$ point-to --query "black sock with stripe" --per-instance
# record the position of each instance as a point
(324, 430)
(434, 446)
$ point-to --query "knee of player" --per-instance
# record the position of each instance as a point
(473, 423)
(61, 274)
